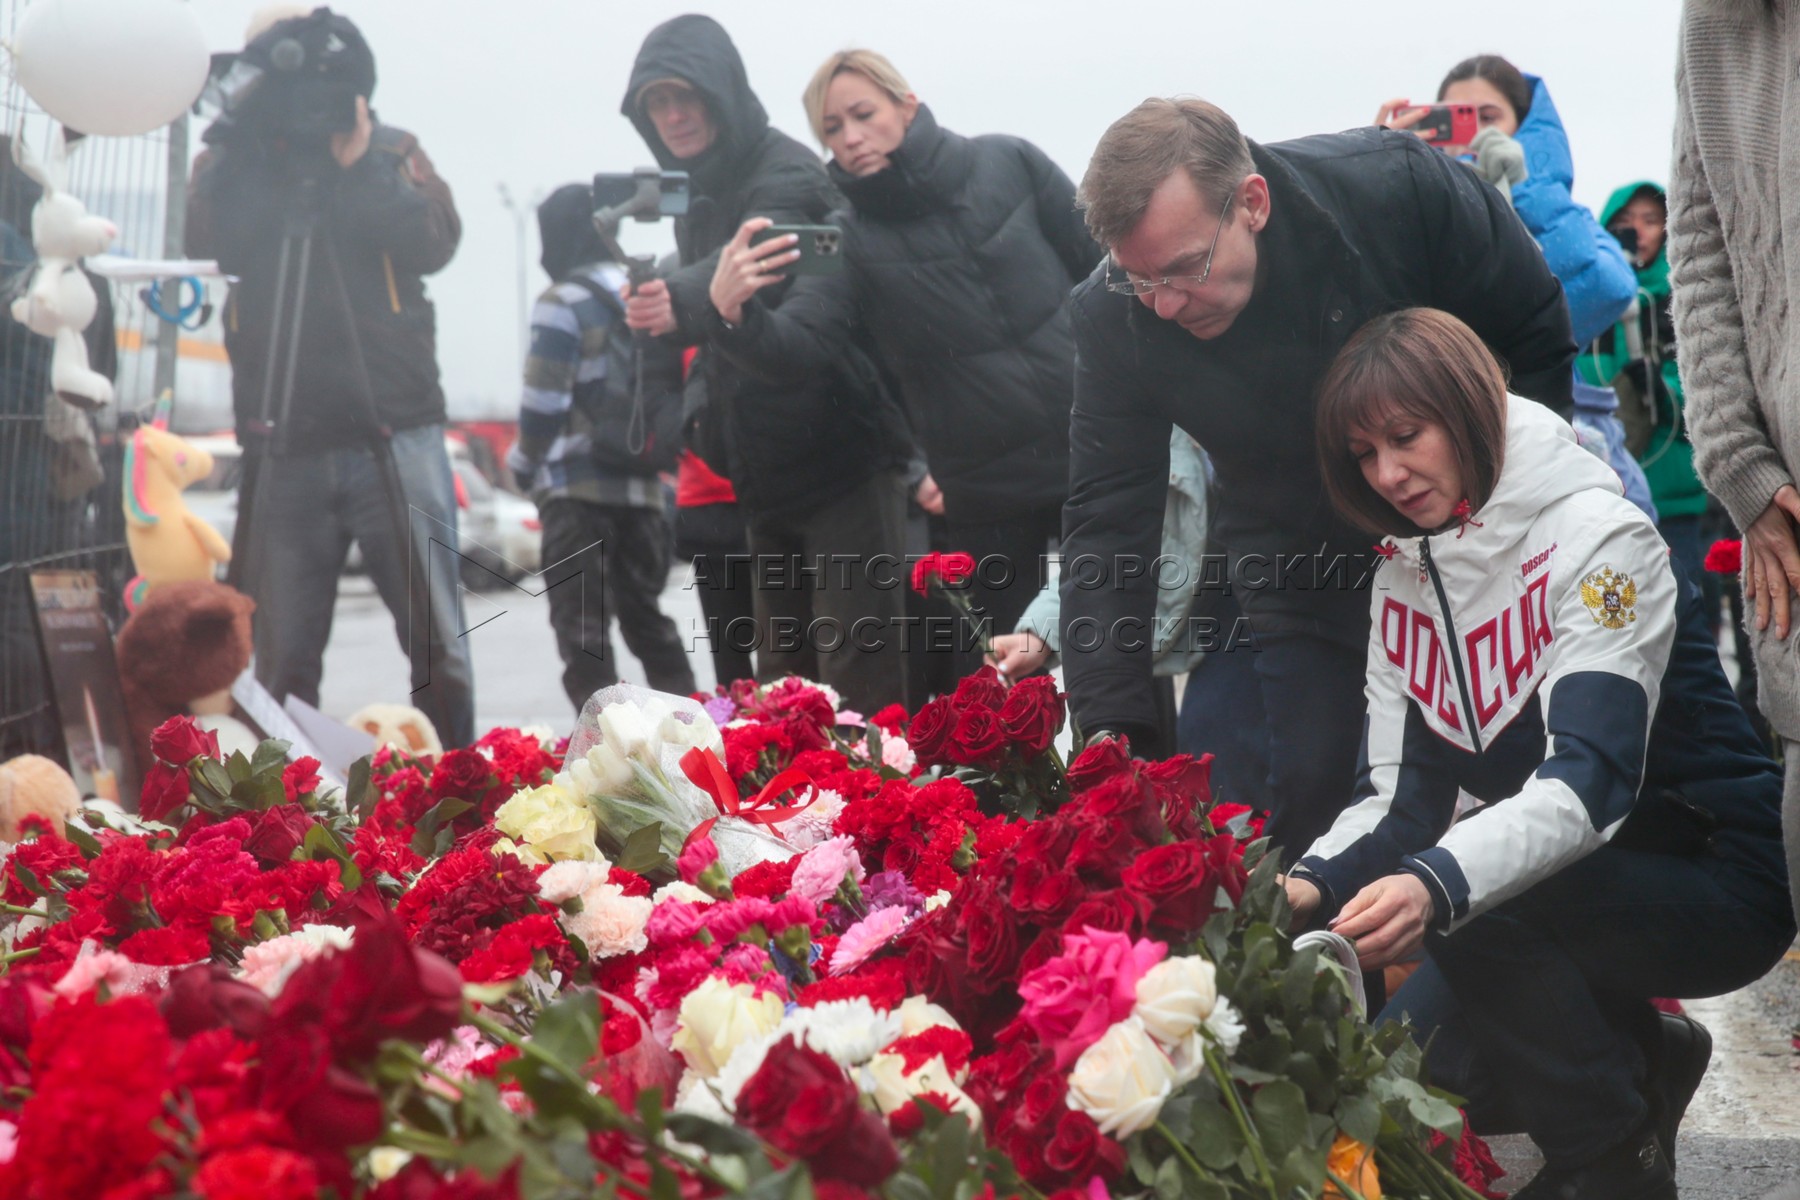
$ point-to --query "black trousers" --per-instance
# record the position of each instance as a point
(711, 538)
(1009, 565)
(610, 562)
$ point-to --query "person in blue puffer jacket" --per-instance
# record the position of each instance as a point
(1528, 158)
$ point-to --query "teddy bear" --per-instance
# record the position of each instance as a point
(179, 652)
(60, 301)
(32, 785)
(167, 541)
(400, 726)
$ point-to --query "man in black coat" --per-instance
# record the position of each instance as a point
(817, 465)
(1244, 268)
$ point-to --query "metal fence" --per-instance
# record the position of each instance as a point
(60, 502)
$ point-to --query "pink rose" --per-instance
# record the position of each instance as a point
(1073, 999)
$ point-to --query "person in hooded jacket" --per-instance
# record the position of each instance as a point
(1528, 158)
(816, 464)
(1531, 647)
(959, 256)
(601, 504)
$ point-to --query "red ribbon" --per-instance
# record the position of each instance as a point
(706, 772)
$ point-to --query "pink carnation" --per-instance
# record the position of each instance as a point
(696, 856)
(822, 869)
(867, 936)
(791, 911)
(93, 969)
(674, 921)
(1073, 999)
(726, 921)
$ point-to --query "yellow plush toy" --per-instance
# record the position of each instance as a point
(33, 785)
(167, 541)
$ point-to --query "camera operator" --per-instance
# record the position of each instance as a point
(817, 464)
(328, 220)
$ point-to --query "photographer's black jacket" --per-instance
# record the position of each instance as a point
(959, 259)
(388, 220)
(1362, 223)
(788, 449)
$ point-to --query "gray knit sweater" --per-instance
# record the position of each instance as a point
(1734, 256)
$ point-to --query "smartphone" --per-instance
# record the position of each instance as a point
(645, 193)
(1627, 238)
(1448, 124)
(821, 248)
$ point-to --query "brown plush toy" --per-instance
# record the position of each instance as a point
(180, 652)
(32, 785)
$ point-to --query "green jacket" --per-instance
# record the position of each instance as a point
(1666, 454)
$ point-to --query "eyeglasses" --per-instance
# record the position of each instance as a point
(1143, 287)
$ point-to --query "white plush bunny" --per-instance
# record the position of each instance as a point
(61, 300)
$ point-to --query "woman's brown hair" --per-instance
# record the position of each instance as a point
(1420, 363)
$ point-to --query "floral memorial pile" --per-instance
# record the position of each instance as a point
(745, 944)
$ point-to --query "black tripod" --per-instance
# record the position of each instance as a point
(267, 437)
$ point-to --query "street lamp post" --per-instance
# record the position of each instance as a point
(521, 215)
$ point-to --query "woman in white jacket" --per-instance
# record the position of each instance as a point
(1534, 653)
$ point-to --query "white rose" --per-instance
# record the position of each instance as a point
(917, 1014)
(603, 771)
(894, 1089)
(385, 1162)
(1122, 1080)
(1174, 997)
(625, 729)
(716, 1016)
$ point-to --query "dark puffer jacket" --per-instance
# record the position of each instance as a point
(387, 221)
(960, 257)
(788, 449)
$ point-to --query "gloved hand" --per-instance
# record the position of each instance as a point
(1500, 160)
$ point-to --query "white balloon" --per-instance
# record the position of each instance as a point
(111, 67)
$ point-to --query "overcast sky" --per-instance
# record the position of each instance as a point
(527, 92)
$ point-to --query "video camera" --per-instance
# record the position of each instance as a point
(297, 81)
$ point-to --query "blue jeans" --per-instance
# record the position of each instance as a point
(1312, 694)
(308, 508)
(1537, 1010)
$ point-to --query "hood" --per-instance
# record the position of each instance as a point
(1654, 276)
(697, 50)
(1546, 142)
(566, 231)
(1544, 463)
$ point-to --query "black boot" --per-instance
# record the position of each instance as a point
(1676, 1067)
(1635, 1169)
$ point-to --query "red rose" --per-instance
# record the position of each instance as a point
(1080, 1150)
(983, 689)
(1177, 885)
(903, 854)
(993, 939)
(1117, 911)
(1046, 891)
(166, 789)
(1044, 1101)
(1033, 713)
(205, 996)
(180, 741)
(329, 1107)
(930, 730)
(1100, 761)
(278, 832)
(380, 988)
(801, 1102)
(464, 774)
(977, 741)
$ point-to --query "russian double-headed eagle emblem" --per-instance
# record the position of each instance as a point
(1611, 597)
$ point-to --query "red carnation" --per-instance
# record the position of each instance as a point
(892, 718)
(300, 777)
(180, 741)
(944, 570)
(801, 1102)
(257, 1173)
(1725, 557)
